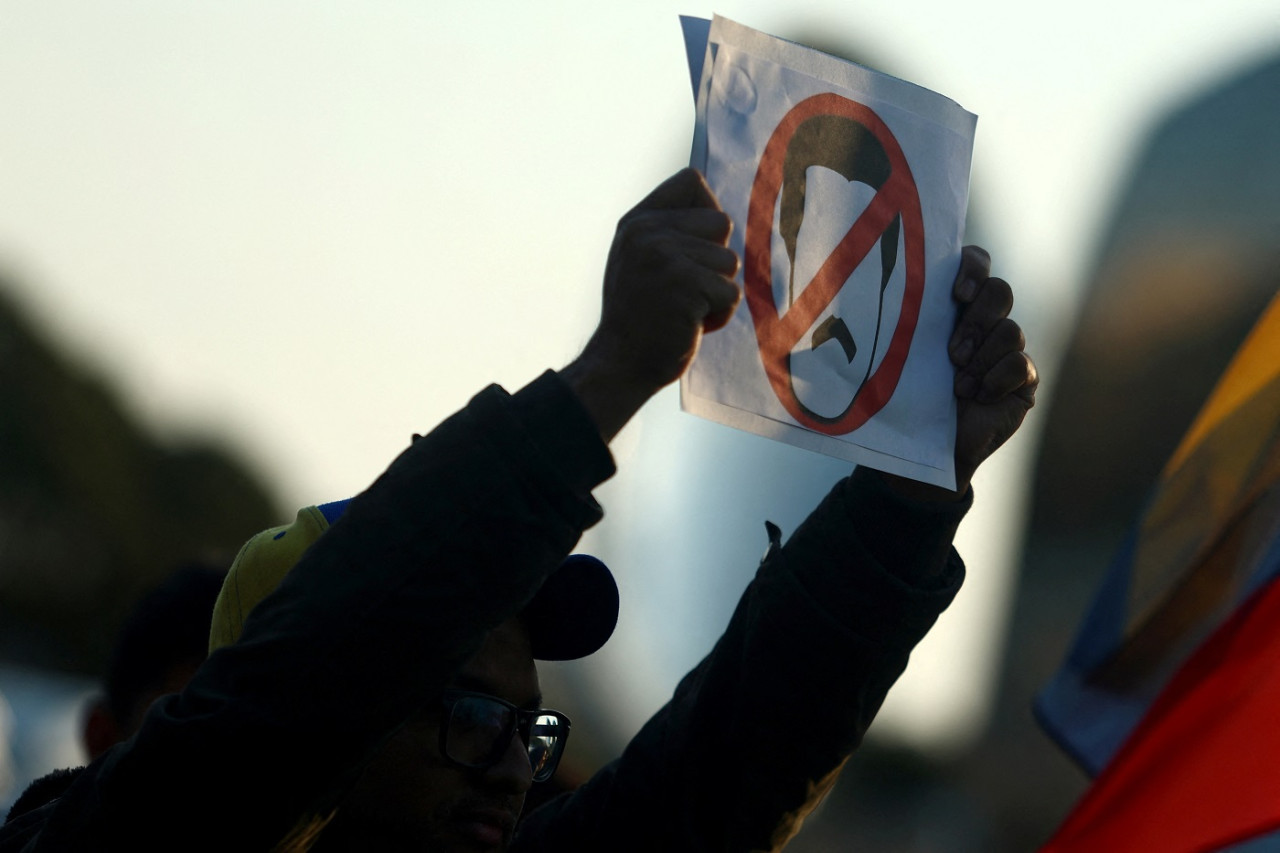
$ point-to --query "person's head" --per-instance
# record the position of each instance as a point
(454, 777)
(161, 644)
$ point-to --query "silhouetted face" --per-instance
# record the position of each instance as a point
(103, 730)
(410, 797)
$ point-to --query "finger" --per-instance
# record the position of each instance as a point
(1027, 390)
(707, 223)
(975, 267)
(718, 259)
(981, 379)
(715, 257)
(685, 188)
(990, 306)
(699, 271)
(1015, 375)
(721, 296)
(708, 296)
(666, 249)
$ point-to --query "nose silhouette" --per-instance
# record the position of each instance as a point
(513, 774)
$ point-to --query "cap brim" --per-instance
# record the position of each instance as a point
(575, 611)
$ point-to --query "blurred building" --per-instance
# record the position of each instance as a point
(1187, 263)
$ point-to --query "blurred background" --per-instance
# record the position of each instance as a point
(246, 249)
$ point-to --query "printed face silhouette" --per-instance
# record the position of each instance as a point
(831, 171)
(833, 262)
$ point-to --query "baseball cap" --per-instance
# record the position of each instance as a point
(571, 616)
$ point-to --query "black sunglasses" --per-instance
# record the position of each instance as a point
(476, 730)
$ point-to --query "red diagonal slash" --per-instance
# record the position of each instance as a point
(777, 334)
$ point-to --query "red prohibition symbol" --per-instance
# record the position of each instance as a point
(864, 149)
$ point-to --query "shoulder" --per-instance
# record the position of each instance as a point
(28, 815)
(43, 791)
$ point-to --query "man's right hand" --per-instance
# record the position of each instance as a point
(668, 279)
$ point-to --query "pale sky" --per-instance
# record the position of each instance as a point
(310, 229)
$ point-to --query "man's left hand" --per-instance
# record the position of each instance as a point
(995, 383)
(996, 380)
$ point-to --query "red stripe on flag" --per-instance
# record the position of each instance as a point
(1200, 771)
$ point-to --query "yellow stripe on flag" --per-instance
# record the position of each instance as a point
(1256, 363)
(1229, 457)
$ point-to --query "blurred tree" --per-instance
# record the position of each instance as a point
(93, 508)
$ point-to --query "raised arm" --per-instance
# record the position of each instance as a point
(450, 541)
(759, 730)
(668, 280)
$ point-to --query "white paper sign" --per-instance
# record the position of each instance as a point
(848, 190)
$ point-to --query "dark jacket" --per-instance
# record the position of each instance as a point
(453, 539)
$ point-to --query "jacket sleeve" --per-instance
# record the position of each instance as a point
(757, 733)
(454, 538)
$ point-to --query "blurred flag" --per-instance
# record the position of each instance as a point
(1171, 693)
